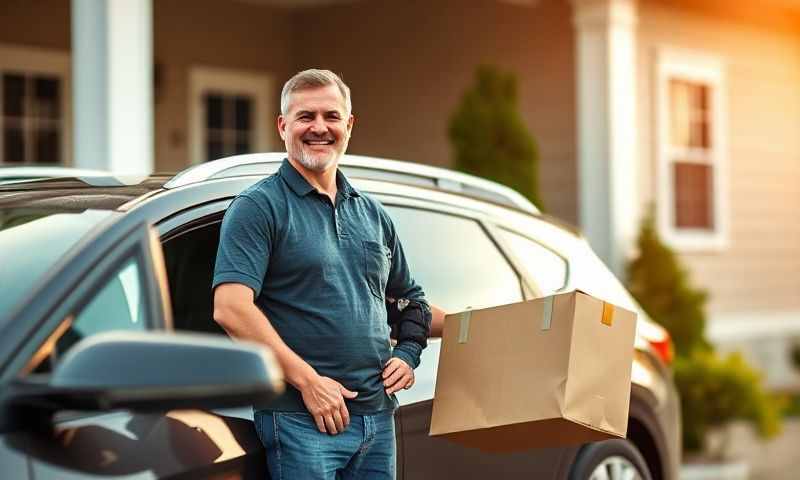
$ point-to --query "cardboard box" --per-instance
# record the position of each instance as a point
(548, 372)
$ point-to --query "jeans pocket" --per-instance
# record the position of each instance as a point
(265, 427)
(377, 259)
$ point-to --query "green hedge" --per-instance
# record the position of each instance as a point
(713, 390)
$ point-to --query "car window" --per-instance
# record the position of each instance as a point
(454, 260)
(32, 242)
(118, 304)
(544, 266)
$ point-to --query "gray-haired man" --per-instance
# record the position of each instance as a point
(305, 265)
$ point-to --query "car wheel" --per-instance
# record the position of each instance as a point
(610, 460)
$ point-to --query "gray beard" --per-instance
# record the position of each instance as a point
(314, 164)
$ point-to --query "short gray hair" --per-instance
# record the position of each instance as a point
(314, 78)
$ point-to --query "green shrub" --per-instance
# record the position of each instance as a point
(792, 408)
(657, 280)
(489, 136)
(716, 390)
(713, 390)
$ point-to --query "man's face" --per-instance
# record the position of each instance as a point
(316, 128)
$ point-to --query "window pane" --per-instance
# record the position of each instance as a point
(680, 113)
(47, 146)
(119, 305)
(689, 114)
(693, 196)
(13, 95)
(242, 147)
(215, 149)
(547, 269)
(13, 145)
(242, 143)
(214, 117)
(454, 260)
(242, 108)
(47, 97)
(700, 137)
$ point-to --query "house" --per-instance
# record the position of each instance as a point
(690, 105)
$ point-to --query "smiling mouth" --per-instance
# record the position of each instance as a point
(318, 142)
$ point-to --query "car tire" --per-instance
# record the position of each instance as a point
(609, 460)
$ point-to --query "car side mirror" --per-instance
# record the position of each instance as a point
(154, 371)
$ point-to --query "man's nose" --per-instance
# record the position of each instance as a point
(318, 125)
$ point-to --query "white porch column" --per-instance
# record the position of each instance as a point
(112, 68)
(607, 134)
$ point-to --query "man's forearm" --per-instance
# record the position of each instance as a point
(248, 322)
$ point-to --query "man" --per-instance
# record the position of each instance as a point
(306, 265)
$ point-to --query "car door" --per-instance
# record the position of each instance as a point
(119, 284)
(189, 241)
(459, 265)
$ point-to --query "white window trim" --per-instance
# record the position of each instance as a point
(708, 70)
(23, 59)
(259, 86)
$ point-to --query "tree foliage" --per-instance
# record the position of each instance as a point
(713, 390)
(716, 390)
(657, 280)
(489, 136)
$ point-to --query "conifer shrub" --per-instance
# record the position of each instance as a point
(714, 390)
(489, 136)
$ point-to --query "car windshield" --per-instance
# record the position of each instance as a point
(32, 240)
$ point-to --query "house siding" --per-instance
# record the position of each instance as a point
(408, 64)
(232, 35)
(759, 269)
(227, 35)
(42, 23)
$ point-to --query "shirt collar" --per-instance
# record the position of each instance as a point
(301, 187)
(296, 182)
(344, 185)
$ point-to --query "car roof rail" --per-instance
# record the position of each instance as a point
(358, 166)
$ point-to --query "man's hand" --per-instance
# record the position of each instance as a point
(397, 374)
(324, 399)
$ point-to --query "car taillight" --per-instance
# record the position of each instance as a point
(660, 341)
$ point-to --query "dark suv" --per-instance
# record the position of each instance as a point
(469, 242)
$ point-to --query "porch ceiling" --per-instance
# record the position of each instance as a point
(316, 3)
(298, 3)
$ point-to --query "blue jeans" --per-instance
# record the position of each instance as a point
(296, 449)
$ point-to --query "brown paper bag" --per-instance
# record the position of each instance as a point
(548, 372)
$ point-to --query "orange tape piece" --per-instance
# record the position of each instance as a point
(608, 314)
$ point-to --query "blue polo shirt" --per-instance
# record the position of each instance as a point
(320, 273)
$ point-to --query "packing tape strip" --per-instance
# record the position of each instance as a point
(608, 314)
(463, 330)
(547, 316)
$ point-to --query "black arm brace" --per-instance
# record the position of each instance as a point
(409, 320)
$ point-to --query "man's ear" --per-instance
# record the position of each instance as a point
(282, 127)
(350, 121)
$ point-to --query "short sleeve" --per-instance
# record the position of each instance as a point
(245, 244)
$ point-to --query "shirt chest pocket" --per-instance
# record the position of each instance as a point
(377, 258)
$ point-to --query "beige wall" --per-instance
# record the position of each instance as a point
(222, 34)
(760, 269)
(39, 23)
(409, 62)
